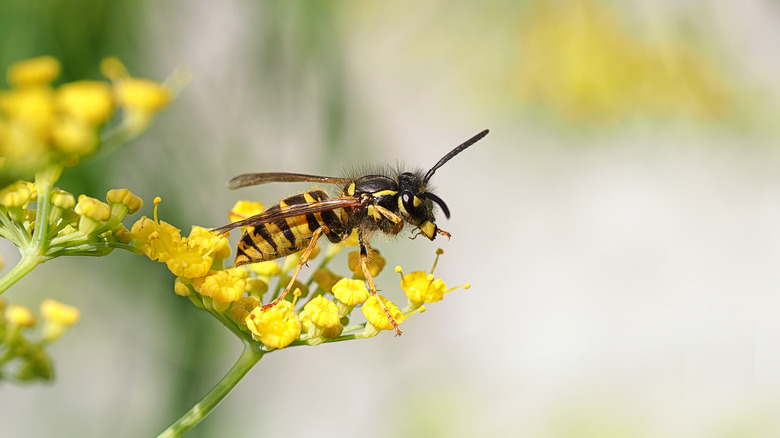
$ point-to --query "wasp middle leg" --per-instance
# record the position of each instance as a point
(303, 261)
(371, 286)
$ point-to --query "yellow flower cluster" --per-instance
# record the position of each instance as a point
(22, 353)
(41, 124)
(187, 257)
(582, 61)
(84, 227)
(321, 308)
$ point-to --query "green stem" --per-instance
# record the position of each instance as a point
(44, 180)
(245, 362)
(25, 265)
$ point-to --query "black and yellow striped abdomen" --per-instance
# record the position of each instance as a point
(269, 241)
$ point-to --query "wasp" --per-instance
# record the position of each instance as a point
(368, 204)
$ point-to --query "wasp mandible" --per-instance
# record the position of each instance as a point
(367, 204)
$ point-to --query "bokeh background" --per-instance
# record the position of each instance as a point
(620, 225)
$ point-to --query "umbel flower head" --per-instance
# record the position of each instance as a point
(24, 340)
(42, 124)
(322, 308)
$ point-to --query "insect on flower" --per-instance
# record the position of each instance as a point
(367, 204)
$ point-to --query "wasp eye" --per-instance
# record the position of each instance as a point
(412, 205)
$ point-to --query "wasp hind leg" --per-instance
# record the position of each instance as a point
(371, 286)
(304, 259)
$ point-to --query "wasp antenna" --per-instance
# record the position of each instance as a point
(454, 152)
(439, 202)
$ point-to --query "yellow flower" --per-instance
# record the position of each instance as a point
(317, 333)
(189, 261)
(292, 260)
(34, 72)
(244, 209)
(87, 101)
(421, 287)
(62, 199)
(16, 195)
(156, 239)
(276, 327)
(375, 314)
(32, 108)
(350, 292)
(20, 316)
(222, 286)
(326, 278)
(112, 68)
(162, 241)
(142, 95)
(181, 286)
(375, 263)
(266, 269)
(322, 312)
(126, 198)
(256, 286)
(74, 137)
(93, 214)
(219, 246)
(57, 317)
(92, 208)
(581, 60)
(243, 307)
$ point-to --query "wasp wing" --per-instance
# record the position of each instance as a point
(291, 211)
(252, 179)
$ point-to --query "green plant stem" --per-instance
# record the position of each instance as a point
(245, 362)
(26, 264)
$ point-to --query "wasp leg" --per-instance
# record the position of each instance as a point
(371, 286)
(398, 223)
(443, 233)
(304, 259)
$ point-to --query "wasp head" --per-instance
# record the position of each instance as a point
(415, 203)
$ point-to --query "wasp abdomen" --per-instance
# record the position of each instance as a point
(271, 240)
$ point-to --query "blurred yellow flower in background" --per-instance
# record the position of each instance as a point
(579, 59)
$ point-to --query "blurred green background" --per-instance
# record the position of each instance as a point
(620, 225)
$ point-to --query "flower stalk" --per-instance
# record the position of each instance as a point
(248, 358)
